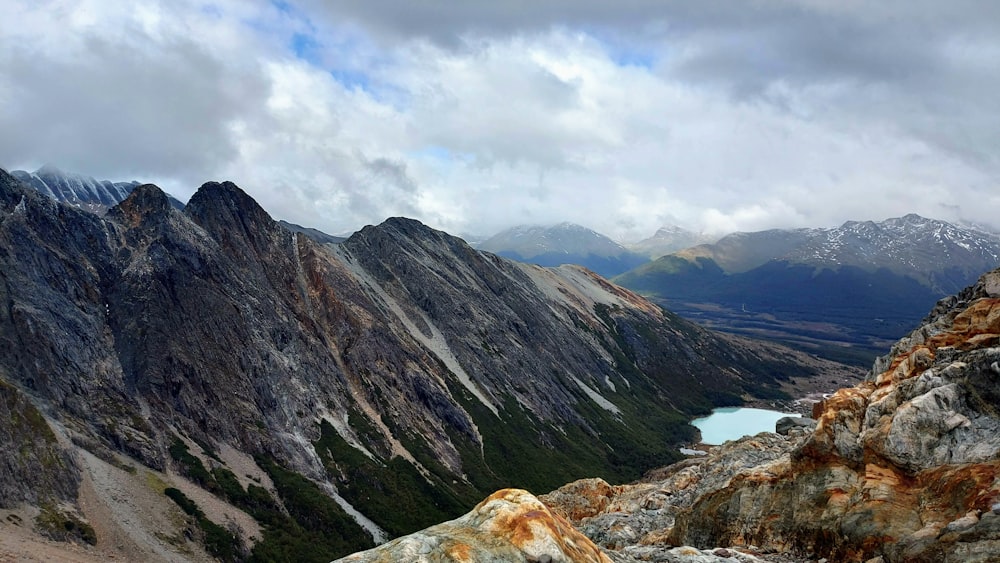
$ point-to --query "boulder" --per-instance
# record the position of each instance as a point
(511, 525)
(785, 424)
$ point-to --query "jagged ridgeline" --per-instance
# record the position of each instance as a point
(401, 369)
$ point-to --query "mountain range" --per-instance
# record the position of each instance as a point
(569, 243)
(845, 292)
(670, 239)
(204, 380)
(565, 243)
(79, 190)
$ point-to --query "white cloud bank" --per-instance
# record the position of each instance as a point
(622, 116)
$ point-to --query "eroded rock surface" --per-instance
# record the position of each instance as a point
(510, 525)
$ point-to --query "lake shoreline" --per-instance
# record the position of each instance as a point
(732, 423)
(809, 393)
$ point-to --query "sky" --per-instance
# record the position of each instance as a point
(473, 116)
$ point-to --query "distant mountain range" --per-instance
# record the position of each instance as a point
(670, 239)
(565, 243)
(569, 243)
(846, 291)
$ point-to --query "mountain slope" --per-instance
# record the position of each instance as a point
(832, 291)
(397, 377)
(565, 243)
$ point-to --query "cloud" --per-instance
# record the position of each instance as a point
(119, 97)
(473, 116)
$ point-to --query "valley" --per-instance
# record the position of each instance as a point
(844, 294)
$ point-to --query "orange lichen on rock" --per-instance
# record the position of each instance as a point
(535, 530)
(459, 552)
(510, 525)
(977, 326)
(583, 498)
(907, 365)
(982, 316)
(971, 486)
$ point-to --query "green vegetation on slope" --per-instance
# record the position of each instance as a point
(64, 526)
(318, 530)
(218, 541)
(391, 492)
(315, 528)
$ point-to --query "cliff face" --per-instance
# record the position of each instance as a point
(406, 374)
(905, 466)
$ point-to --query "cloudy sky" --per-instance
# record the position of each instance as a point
(476, 115)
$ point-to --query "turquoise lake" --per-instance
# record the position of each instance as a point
(731, 423)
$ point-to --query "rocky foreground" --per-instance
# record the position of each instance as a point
(903, 467)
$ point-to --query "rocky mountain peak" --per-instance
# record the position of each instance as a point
(224, 201)
(409, 227)
(408, 239)
(146, 203)
(230, 214)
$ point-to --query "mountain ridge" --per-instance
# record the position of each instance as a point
(844, 293)
(399, 375)
(563, 243)
(910, 245)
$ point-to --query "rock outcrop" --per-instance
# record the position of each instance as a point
(638, 520)
(511, 525)
(787, 423)
(905, 466)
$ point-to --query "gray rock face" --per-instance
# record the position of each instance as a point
(34, 468)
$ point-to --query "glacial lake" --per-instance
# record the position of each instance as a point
(731, 423)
